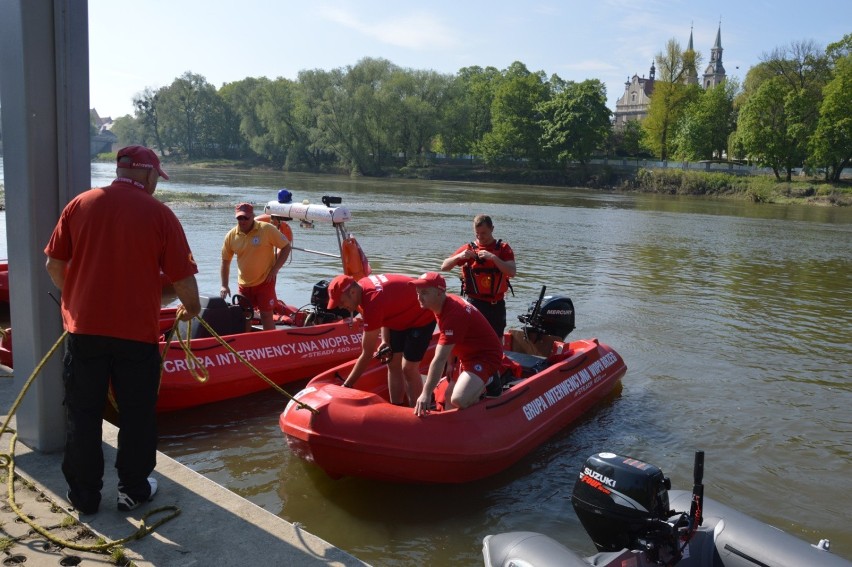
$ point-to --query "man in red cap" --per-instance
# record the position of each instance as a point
(391, 312)
(466, 333)
(255, 244)
(105, 255)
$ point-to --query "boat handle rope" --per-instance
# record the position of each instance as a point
(7, 462)
(203, 375)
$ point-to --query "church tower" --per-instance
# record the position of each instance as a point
(691, 74)
(715, 73)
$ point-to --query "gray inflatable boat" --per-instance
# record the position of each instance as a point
(628, 509)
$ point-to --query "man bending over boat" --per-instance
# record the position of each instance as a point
(254, 243)
(466, 333)
(391, 313)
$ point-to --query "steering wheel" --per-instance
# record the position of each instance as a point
(245, 305)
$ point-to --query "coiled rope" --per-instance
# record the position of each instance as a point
(7, 460)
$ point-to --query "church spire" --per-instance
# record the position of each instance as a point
(718, 44)
(689, 62)
(715, 72)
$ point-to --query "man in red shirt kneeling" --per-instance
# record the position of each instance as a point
(464, 332)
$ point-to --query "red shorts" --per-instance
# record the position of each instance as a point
(262, 297)
(483, 370)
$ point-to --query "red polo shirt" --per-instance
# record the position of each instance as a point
(116, 240)
(388, 301)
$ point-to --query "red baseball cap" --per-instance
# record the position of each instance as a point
(243, 209)
(140, 158)
(338, 286)
(430, 279)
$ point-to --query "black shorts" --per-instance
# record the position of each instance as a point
(412, 343)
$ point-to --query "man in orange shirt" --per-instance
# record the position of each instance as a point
(105, 255)
(254, 243)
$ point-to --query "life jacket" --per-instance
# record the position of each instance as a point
(355, 262)
(283, 227)
(482, 279)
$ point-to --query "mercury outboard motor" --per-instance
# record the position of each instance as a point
(549, 315)
(319, 299)
(624, 503)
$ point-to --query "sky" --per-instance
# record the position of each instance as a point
(608, 40)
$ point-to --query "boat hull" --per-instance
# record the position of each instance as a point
(726, 538)
(4, 281)
(284, 355)
(355, 432)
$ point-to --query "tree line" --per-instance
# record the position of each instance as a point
(793, 109)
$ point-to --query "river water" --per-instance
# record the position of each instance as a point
(733, 319)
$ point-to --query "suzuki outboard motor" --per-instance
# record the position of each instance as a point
(622, 502)
(549, 315)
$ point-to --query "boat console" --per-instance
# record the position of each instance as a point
(224, 318)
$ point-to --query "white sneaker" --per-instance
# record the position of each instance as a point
(126, 503)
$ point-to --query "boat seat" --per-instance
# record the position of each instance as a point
(224, 318)
(530, 363)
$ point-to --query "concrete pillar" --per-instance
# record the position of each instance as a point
(44, 88)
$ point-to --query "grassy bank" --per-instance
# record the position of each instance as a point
(756, 188)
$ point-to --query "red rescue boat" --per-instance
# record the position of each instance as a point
(356, 432)
(305, 340)
(4, 281)
(298, 348)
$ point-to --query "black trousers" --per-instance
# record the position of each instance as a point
(133, 368)
(494, 312)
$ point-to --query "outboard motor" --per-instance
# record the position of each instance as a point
(319, 299)
(624, 503)
(617, 497)
(549, 315)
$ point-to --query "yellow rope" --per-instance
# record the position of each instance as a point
(251, 367)
(7, 461)
(194, 365)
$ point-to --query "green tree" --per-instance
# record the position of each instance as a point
(348, 114)
(242, 99)
(707, 123)
(515, 117)
(283, 136)
(466, 116)
(148, 114)
(764, 129)
(186, 111)
(831, 144)
(416, 99)
(576, 121)
(670, 97)
(627, 140)
(129, 131)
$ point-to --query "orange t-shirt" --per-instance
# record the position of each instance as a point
(116, 241)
